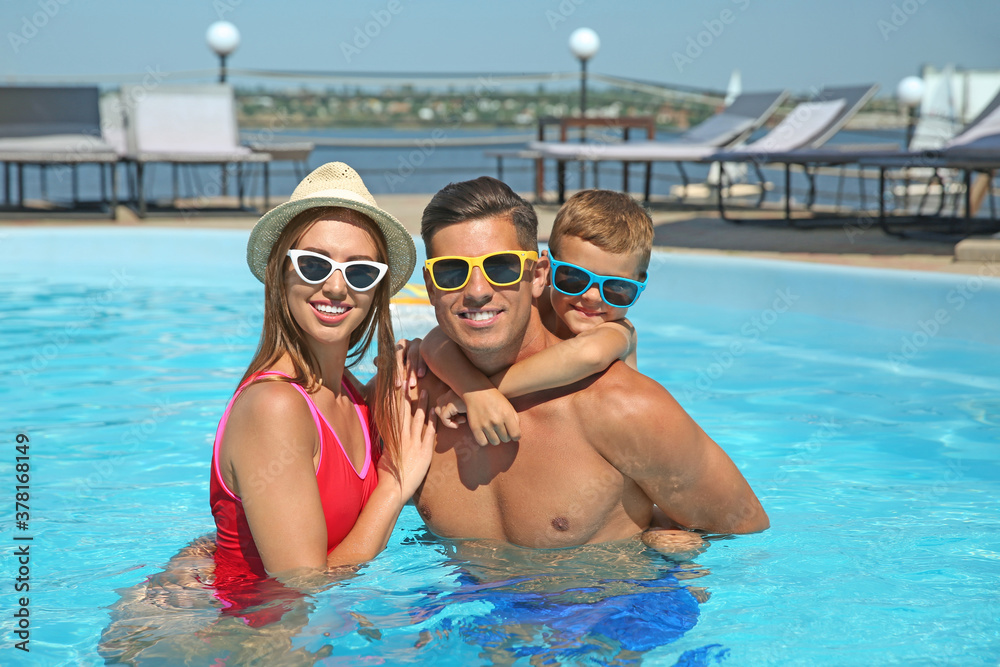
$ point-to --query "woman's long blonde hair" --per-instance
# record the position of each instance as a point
(282, 335)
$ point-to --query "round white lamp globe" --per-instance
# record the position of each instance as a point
(910, 91)
(584, 43)
(223, 37)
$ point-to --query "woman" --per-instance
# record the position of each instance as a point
(299, 479)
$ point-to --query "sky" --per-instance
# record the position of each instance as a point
(793, 44)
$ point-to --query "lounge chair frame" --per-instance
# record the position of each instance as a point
(188, 125)
(49, 126)
(974, 150)
(729, 127)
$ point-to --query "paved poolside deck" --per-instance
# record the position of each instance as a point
(676, 231)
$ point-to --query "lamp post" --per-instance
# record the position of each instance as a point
(223, 38)
(583, 43)
(910, 92)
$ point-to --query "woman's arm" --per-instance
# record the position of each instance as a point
(569, 361)
(269, 444)
(398, 480)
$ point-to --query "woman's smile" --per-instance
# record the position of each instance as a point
(331, 313)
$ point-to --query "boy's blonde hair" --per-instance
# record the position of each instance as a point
(612, 221)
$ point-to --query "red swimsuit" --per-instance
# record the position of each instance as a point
(343, 492)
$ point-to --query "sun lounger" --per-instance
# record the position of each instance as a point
(964, 144)
(187, 125)
(980, 138)
(49, 126)
(805, 129)
(734, 123)
(976, 149)
(296, 152)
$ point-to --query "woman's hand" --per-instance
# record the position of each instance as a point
(409, 362)
(418, 430)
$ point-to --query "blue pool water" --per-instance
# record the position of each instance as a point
(862, 406)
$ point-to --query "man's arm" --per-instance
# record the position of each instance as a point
(642, 431)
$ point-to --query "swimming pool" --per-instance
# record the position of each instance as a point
(862, 405)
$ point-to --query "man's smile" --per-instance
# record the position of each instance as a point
(479, 316)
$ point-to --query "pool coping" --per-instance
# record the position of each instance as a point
(873, 249)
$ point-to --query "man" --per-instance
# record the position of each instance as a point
(593, 457)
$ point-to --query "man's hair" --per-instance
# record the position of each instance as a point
(480, 198)
(612, 221)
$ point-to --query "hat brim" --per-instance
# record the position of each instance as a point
(402, 253)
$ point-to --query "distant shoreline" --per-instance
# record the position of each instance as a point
(873, 120)
(257, 122)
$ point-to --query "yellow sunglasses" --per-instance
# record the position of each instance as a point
(499, 268)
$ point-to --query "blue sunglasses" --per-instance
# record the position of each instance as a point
(573, 280)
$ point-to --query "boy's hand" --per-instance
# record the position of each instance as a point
(450, 409)
(491, 417)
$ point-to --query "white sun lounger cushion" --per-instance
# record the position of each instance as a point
(987, 127)
(798, 129)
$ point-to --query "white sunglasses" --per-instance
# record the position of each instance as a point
(314, 268)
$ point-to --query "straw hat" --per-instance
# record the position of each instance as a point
(333, 184)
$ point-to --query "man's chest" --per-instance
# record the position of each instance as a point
(550, 489)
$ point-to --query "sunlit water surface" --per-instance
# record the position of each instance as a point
(878, 466)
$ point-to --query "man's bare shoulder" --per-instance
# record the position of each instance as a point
(625, 409)
(622, 393)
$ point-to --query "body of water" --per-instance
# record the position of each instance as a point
(862, 406)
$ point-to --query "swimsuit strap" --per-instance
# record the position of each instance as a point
(318, 419)
(362, 417)
(359, 404)
(313, 410)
